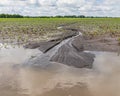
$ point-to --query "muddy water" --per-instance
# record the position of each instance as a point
(56, 79)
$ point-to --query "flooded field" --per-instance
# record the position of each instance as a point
(57, 79)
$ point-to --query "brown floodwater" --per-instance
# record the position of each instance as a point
(57, 79)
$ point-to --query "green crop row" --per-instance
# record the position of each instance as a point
(24, 30)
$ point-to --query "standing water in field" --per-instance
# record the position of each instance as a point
(57, 79)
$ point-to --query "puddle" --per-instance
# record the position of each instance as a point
(57, 79)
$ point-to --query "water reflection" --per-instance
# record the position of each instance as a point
(57, 79)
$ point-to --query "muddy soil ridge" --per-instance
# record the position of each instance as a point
(73, 52)
(45, 46)
(66, 49)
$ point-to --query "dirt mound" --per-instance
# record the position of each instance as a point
(68, 55)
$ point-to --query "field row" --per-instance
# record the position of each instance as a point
(25, 30)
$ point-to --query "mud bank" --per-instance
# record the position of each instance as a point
(68, 51)
(72, 52)
(108, 44)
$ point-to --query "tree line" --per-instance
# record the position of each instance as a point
(11, 16)
(59, 16)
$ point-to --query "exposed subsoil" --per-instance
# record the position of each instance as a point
(99, 43)
(72, 52)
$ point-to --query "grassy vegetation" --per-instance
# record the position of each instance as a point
(24, 30)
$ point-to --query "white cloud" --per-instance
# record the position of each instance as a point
(13, 2)
(47, 2)
(70, 3)
(61, 7)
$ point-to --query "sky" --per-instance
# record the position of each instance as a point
(61, 7)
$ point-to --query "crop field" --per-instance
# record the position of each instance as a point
(24, 30)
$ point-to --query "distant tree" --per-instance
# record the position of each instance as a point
(70, 16)
(81, 16)
(58, 16)
(10, 16)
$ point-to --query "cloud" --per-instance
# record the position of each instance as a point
(61, 7)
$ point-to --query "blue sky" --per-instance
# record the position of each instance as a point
(61, 7)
